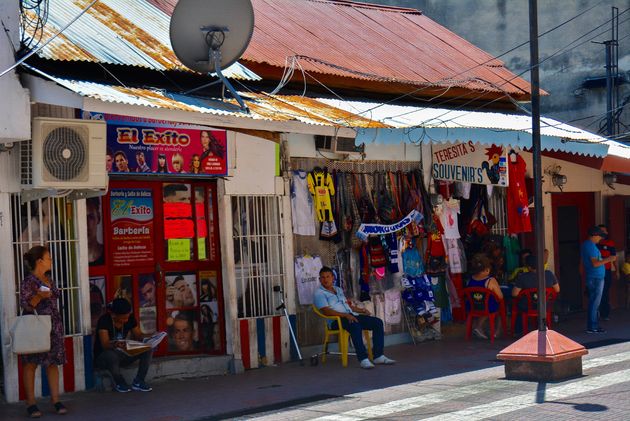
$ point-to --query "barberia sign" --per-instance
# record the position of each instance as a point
(470, 162)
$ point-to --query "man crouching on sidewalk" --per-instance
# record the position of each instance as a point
(331, 301)
(112, 329)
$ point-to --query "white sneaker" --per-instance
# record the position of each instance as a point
(384, 360)
(366, 363)
(478, 333)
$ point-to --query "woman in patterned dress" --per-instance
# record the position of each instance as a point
(38, 292)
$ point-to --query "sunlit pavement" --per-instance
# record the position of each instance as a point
(451, 379)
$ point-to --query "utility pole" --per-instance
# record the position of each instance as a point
(612, 75)
(537, 161)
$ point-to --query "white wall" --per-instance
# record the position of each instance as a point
(303, 146)
(14, 107)
(252, 163)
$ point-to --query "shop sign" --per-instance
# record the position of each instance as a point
(470, 162)
(132, 227)
(146, 148)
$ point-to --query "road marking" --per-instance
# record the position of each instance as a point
(527, 400)
(388, 408)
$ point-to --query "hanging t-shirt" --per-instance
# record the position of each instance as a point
(412, 261)
(448, 218)
(302, 214)
(307, 277)
(393, 308)
(517, 200)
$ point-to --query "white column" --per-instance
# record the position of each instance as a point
(8, 308)
(228, 271)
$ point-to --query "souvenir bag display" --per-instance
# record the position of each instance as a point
(387, 212)
(377, 252)
(420, 312)
(365, 207)
(30, 333)
(435, 255)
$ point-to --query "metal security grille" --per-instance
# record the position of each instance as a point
(258, 253)
(50, 222)
(498, 207)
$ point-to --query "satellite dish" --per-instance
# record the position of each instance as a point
(209, 35)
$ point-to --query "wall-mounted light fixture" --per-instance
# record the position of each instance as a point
(610, 179)
(557, 179)
(5, 147)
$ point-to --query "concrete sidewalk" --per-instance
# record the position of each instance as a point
(289, 384)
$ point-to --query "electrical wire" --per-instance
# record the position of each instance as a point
(40, 47)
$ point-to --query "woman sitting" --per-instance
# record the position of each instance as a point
(480, 267)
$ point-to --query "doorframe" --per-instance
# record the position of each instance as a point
(585, 204)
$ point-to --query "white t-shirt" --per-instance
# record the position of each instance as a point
(448, 218)
(302, 211)
(307, 277)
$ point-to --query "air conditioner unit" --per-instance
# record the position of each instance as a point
(65, 154)
(339, 145)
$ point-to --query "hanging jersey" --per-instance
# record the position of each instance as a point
(320, 185)
(307, 277)
(301, 205)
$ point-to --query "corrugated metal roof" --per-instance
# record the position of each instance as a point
(367, 41)
(262, 107)
(413, 124)
(332, 37)
(127, 32)
(374, 122)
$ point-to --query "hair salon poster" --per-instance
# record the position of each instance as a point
(166, 148)
(470, 162)
(132, 227)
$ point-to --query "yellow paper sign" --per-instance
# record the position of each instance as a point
(201, 248)
(178, 249)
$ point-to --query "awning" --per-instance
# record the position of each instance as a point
(440, 125)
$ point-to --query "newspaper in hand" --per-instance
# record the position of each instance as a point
(130, 347)
(154, 340)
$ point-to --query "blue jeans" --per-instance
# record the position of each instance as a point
(595, 287)
(356, 334)
(112, 360)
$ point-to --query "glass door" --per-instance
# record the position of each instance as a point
(162, 254)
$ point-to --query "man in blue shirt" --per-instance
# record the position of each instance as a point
(331, 301)
(594, 269)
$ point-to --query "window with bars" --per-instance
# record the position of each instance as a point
(258, 253)
(50, 222)
(497, 205)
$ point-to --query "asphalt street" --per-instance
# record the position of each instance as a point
(450, 379)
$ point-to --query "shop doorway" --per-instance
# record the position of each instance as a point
(161, 252)
(573, 213)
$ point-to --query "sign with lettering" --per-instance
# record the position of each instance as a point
(154, 148)
(470, 162)
(132, 227)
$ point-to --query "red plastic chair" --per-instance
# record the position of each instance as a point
(477, 299)
(531, 296)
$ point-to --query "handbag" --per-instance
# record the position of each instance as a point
(30, 333)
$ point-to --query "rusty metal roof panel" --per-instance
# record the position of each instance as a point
(125, 32)
(262, 106)
(370, 42)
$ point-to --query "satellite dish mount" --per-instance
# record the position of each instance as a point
(208, 36)
(215, 37)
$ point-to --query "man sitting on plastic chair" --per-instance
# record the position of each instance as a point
(331, 301)
(529, 280)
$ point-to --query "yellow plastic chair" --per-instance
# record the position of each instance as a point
(343, 337)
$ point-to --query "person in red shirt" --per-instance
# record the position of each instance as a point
(607, 248)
